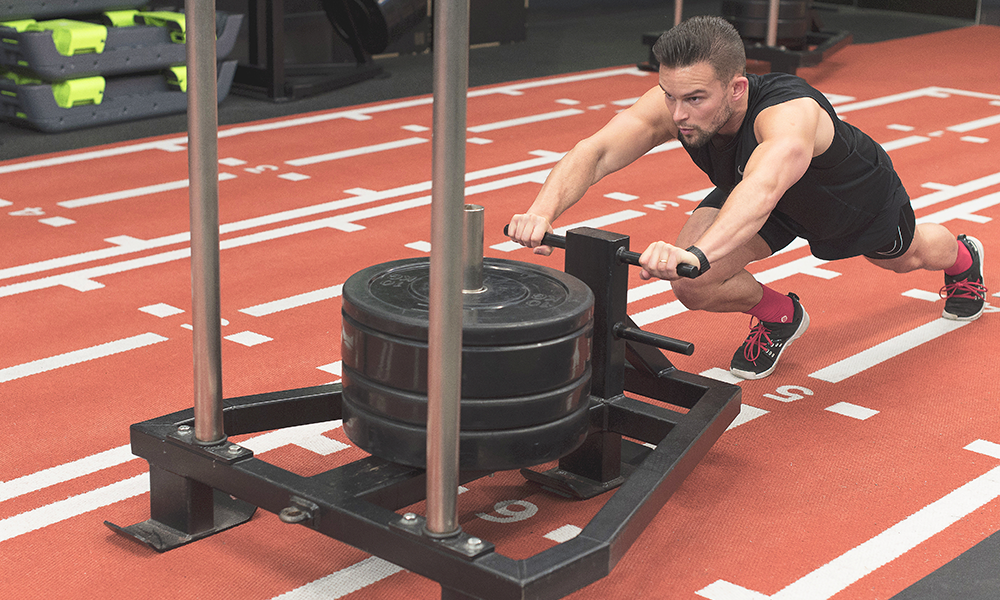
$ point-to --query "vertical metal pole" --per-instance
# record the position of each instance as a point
(678, 12)
(203, 170)
(444, 377)
(472, 250)
(772, 23)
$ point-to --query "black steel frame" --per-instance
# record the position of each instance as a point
(198, 490)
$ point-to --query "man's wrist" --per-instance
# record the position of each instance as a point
(702, 259)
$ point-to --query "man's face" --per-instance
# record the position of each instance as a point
(698, 102)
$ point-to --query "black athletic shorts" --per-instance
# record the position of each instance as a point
(877, 242)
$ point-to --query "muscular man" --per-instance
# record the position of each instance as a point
(784, 166)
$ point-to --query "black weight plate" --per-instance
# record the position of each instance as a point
(523, 303)
(487, 371)
(478, 450)
(476, 413)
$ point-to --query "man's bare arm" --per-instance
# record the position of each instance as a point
(629, 135)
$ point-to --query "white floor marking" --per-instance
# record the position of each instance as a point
(353, 152)
(139, 192)
(79, 356)
(563, 534)
(275, 306)
(912, 140)
(73, 506)
(922, 295)
(646, 290)
(419, 246)
(888, 349)
(965, 211)
(858, 562)
(977, 124)
(248, 338)
(974, 139)
(549, 116)
(346, 581)
(57, 221)
(852, 410)
(65, 472)
(161, 310)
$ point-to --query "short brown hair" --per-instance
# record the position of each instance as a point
(703, 39)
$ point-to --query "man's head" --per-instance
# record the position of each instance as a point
(703, 39)
(702, 74)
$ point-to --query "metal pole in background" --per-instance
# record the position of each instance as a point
(678, 12)
(444, 368)
(772, 23)
(203, 172)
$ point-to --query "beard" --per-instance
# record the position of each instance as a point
(699, 137)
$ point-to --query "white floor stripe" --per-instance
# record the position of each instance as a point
(912, 140)
(977, 124)
(549, 116)
(79, 356)
(352, 152)
(269, 308)
(134, 193)
(867, 359)
(65, 472)
(345, 581)
(858, 562)
(56, 512)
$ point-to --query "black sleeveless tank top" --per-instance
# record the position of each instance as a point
(843, 191)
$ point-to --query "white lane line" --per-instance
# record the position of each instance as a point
(965, 211)
(79, 356)
(352, 152)
(269, 308)
(860, 561)
(912, 140)
(880, 353)
(65, 472)
(135, 192)
(852, 410)
(955, 191)
(549, 116)
(345, 581)
(73, 506)
(977, 124)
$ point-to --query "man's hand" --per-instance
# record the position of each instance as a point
(661, 259)
(528, 230)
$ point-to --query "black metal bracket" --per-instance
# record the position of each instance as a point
(194, 489)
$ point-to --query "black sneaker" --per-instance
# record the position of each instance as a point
(758, 356)
(965, 294)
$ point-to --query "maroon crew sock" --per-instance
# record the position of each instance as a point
(773, 307)
(962, 263)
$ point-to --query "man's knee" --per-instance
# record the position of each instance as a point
(692, 294)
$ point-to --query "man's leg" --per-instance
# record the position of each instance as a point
(934, 248)
(729, 287)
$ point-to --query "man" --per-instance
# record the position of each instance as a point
(783, 165)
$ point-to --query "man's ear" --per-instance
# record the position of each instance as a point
(739, 87)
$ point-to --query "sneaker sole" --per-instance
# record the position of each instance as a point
(798, 333)
(982, 259)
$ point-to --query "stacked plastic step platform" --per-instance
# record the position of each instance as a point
(79, 63)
